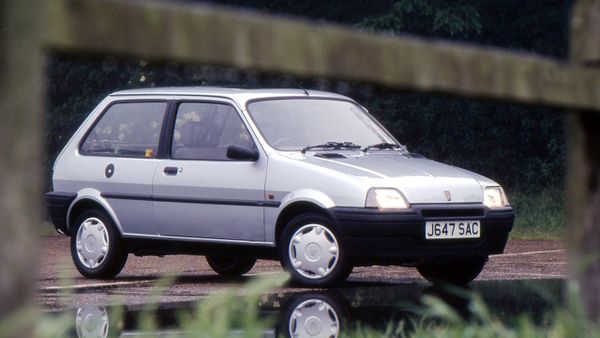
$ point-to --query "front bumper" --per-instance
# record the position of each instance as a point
(371, 236)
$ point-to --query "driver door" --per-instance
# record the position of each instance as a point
(199, 192)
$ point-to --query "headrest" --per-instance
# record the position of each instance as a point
(200, 134)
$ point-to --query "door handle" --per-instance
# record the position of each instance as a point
(171, 170)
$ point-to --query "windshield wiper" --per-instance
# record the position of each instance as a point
(383, 145)
(334, 145)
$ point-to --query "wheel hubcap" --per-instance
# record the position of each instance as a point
(92, 321)
(314, 318)
(313, 251)
(92, 242)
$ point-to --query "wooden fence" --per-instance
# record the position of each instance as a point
(205, 35)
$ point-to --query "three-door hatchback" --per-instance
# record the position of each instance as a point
(305, 177)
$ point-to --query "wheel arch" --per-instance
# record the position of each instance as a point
(90, 199)
(297, 208)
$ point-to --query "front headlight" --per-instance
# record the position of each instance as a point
(386, 199)
(494, 197)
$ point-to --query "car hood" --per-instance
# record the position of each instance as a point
(420, 180)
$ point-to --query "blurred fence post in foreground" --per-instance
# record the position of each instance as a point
(21, 94)
(583, 178)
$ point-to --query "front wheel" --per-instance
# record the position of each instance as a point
(96, 246)
(312, 253)
(459, 270)
(230, 266)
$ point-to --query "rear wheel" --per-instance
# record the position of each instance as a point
(96, 246)
(230, 266)
(459, 270)
(312, 253)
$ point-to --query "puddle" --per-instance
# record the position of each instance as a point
(331, 313)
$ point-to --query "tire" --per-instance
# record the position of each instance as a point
(230, 266)
(317, 257)
(96, 246)
(458, 271)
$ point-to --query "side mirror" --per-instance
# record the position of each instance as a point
(239, 153)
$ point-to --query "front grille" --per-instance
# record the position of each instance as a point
(451, 212)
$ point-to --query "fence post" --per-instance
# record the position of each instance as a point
(583, 178)
(21, 92)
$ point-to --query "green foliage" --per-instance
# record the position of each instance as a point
(540, 214)
(231, 313)
(440, 18)
(520, 147)
(18, 321)
(442, 321)
(225, 311)
(233, 310)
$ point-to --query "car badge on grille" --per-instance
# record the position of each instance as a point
(447, 195)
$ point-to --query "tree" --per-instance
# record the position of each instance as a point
(428, 17)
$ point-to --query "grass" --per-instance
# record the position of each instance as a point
(224, 314)
(568, 321)
(227, 314)
(539, 215)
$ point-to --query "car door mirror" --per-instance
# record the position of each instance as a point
(239, 153)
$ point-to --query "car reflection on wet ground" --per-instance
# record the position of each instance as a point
(331, 312)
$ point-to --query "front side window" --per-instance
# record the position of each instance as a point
(130, 129)
(292, 124)
(203, 131)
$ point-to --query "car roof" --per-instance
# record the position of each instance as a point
(238, 94)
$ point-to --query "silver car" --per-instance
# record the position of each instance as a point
(305, 177)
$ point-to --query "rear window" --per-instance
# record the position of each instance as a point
(129, 129)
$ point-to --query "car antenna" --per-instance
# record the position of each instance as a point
(299, 86)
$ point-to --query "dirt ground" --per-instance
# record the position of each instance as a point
(61, 286)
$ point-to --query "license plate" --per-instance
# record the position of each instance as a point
(452, 229)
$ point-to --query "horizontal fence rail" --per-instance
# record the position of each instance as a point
(247, 40)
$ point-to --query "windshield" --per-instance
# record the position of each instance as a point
(293, 124)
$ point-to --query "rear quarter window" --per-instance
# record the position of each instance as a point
(129, 129)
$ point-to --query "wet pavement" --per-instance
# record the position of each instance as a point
(61, 286)
(527, 279)
(332, 312)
